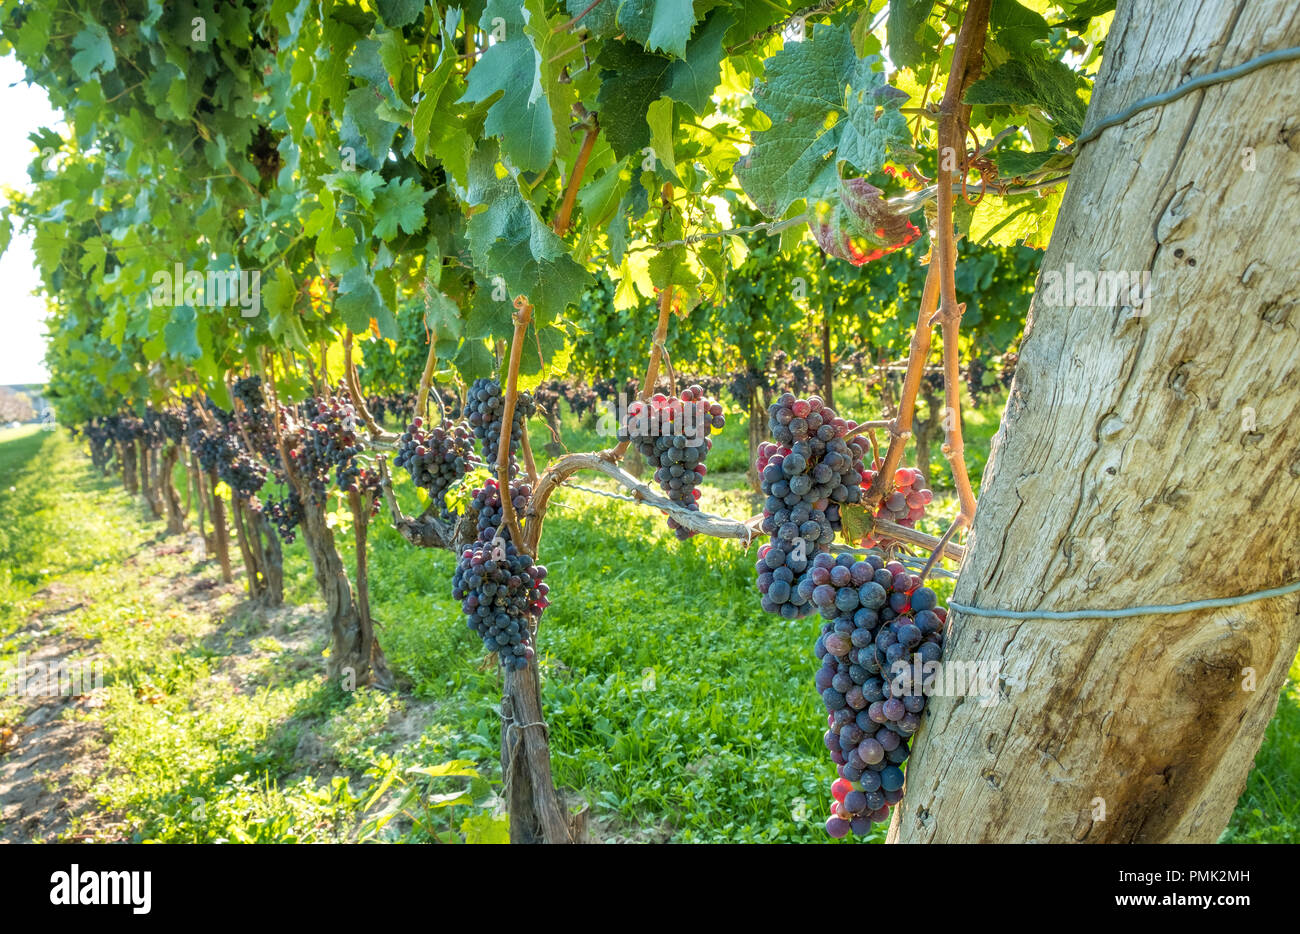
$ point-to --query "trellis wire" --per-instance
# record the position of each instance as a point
(906, 560)
(1195, 84)
(1125, 612)
(632, 499)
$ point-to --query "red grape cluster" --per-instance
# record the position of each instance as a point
(811, 470)
(436, 458)
(485, 408)
(673, 434)
(502, 594)
(487, 503)
(882, 627)
(904, 504)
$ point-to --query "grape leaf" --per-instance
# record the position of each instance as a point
(473, 360)
(1014, 162)
(1081, 12)
(94, 52)
(631, 79)
(663, 25)
(600, 197)
(1023, 218)
(1033, 80)
(1016, 28)
(903, 30)
(693, 79)
(508, 239)
(399, 205)
(855, 522)
(181, 334)
(367, 63)
(521, 115)
(359, 301)
(441, 316)
(400, 12)
(814, 119)
(364, 130)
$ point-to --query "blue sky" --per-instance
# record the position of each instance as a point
(22, 347)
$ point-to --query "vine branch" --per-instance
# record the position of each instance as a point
(523, 316)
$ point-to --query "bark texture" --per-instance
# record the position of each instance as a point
(171, 499)
(221, 537)
(1145, 457)
(126, 455)
(355, 655)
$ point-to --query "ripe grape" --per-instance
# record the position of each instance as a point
(485, 409)
(869, 654)
(436, 458)
(672, 434)
(502, 594)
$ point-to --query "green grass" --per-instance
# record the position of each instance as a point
(677, 708)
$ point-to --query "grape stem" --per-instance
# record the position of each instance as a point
(661, 334)
(529, 464)
(968, 57)
(564, 27)
(358, 400)
(426, 380)
(561, 225)
(868, 426)
(508, 518)
(900, 428)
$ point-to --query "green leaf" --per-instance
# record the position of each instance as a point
(360, 185)
(359, 300)
(903, 30)
(400, 12)
(473, 360)
(464, 768)
(489, 317)
(827, 106)
(486, 828)
(364, 129)
(693, 79)
(1027, 219)
(631, 79)
(1035, 81)
(441, 316)
(508, 239)
(181, 334)
(521, 114)
(599, 198)
(1081, 12)
(659, 117)
(1014, 162)
(367, 63)
(1016, 28)
(95, 52)
(664, 25)
(34, 34)
(655, 24)
(400, 205)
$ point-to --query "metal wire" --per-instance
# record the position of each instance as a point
(1200, 81)
(1129, 611)
(906, 560)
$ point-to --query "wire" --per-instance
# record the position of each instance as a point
(1125, 612)
(1200, 81)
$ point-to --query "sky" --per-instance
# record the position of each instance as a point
(22, 346)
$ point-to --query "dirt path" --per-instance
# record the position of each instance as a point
(52, 753)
